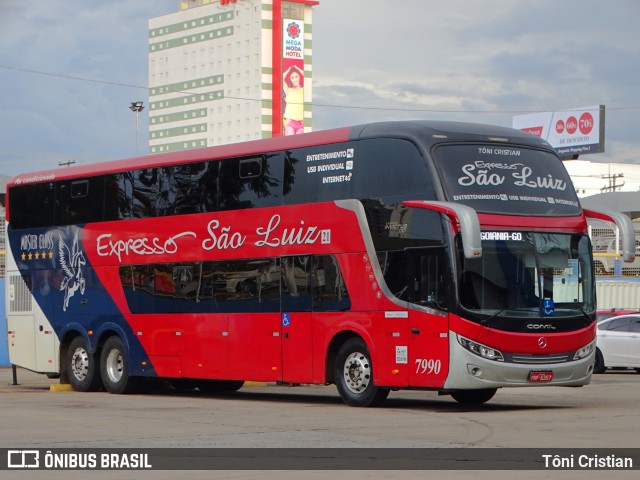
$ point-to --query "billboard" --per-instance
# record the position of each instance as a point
(570, 132)
(292, 76)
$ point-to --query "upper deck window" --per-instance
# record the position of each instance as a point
(32, 204)
(380, 168)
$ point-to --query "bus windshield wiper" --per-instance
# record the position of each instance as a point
(485, 321)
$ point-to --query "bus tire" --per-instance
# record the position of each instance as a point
(354, 375)
(82, 367)
(598, 366)
(114, 367)
(220, 386)
(474, 397)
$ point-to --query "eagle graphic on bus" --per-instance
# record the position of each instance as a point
(71, 262)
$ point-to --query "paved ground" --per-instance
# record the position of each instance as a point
(601, 415)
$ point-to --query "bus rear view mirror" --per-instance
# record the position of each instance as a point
(466, 218)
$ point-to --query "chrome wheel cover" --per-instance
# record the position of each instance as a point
(357, 372)
(80, 363)
(114, 365)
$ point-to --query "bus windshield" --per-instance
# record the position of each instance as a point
(525, 275)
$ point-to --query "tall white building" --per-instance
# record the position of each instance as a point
(216, 71)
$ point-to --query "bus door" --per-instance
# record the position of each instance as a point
(428, 327)
(299, 280)
(32, 342)
(428, 350)
(296, 347)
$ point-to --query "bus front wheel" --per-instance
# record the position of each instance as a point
(599, 366)
(82, 366)
(114, 367)
(354, 375)
(474, 397)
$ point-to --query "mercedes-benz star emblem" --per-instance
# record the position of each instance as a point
(542, 342)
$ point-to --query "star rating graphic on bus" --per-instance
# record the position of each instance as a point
(37, 247)
(37, 255)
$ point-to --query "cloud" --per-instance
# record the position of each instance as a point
(48, 119)
(480, 61)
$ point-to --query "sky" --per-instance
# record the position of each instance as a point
(70, 69)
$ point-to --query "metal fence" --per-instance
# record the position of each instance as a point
(607, 253)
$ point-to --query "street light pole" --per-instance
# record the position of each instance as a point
(137, 107)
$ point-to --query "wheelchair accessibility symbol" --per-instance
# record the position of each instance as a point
(549, 306)
(286, 320)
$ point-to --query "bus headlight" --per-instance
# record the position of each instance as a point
(481, 350)
(585, 351)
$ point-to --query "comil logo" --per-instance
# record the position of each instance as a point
(23, 459)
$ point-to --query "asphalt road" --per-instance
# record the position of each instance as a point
(604, 414)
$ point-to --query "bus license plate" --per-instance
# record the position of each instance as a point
(540, 377)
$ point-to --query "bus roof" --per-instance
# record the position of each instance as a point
(419, 131)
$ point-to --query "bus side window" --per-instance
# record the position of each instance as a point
(191, 197)
(204, 187)
(120, 207)
(394, 272)
(247, 286)
(431, 285)
(250, 182)
(313, 283)
(301, 183)
(390, 168)
(138, 282)
(80, 201)
(145, 193)
(295, 289)
(327, 285)
(416, 275)
(111, 200)
(33, 205)
(168, 190)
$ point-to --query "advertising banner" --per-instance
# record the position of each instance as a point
(570, 132)
(293, 76)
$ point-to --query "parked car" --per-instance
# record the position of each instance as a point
(618, 343)
(614, 312)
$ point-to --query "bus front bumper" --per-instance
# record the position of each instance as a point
(470, 371)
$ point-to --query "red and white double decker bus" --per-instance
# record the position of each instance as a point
(426, 255)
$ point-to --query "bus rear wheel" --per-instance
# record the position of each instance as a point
(114, 367)
(82, 367)
(354, 375)
(474, 397)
